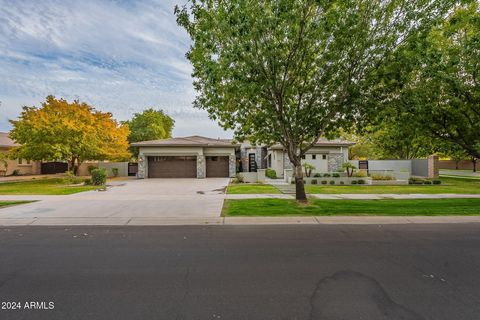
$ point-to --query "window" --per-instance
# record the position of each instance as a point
(303, 157)
(20, 161)
(214, 158)
(28, 161)
(314, 156)
(324, 156)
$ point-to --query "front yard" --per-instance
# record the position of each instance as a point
(316, 207)
(251, 188)
(11, 203)
(56, 186)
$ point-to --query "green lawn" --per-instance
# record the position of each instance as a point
(449, 185)
(317, 207)
(251, 188)
(55, 186)
(11, 203)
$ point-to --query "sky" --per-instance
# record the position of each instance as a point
(119, 56)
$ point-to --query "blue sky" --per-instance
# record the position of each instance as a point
(119, 56)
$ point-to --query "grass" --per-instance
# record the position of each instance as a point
(317, 207)
(250, 188)
(449, 185)
(11, 203)
(56, 186)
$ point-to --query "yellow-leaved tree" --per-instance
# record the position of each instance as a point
(75, 132)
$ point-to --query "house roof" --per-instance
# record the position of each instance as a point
(323, 142)
(5, 141)
(191, 141)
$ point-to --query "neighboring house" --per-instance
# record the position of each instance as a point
(22, 166)
(326, 156)
(202, 157)
(187, 157)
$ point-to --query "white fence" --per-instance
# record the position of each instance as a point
(401, 169)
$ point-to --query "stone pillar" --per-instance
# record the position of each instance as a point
(433, 167)
(142, 167)
(261, 175)
(232, 165)
(201, 167)
(335, 161)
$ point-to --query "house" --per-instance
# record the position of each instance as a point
(202, 157)
(20, 166)
(186, 157)
(326, 156)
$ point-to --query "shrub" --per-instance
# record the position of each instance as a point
(314, 181)
(379, 176)
(115, 172)
(349, 167)
(308, 169)
(326, 175)
(416, 180)
(342, 182)
(336, 175)
(293, 181)
(436, 181)
(361, 181)
(324, 181)
(90, 168)
(332, 182)
(270, 173)
(88, 182)
(16, 172)
(360, 174)
(72, 178)
(427, 182)
(317, 175)
(238, 178)
(99, 176)
(354, 181)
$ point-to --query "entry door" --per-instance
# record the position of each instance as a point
(252, 165)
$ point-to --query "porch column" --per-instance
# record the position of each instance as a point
(201, 167)
(232, 165)
(142, 167)
(433, 167)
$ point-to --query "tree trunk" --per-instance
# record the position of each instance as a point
(299, 184)
(474, 161)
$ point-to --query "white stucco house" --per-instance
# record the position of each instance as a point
(202, 157)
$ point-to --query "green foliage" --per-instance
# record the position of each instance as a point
(99, 177)
(332, 182)
(151, 124)
(324, 181)
(291, 71)
(317, 175)
(90, 168)
(314, 181)
(349, 167)
(436, 181)
(115, 172)
(379, 176)
(360, 174)
(16, 172)
(336, 175)
(361, 181)
(270, 173)
(308, 169)
(239, 178)
(326, 175)
(354, 182)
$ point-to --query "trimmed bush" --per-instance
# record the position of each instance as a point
(270, 173)
(332, 182)
(379, 176)
(354, 181)
(317, 175)
(324, 181)
(336, 175)
(314, 181)
(326, 175)
(99, 176)
(238, 178)
(361, 181)
(90, 168)
(436, 181)
(342, 182)
(115, 172)
(360, 174)
(88, 182)
(427, 182)
(416, 180)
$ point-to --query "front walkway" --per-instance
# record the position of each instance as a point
(370, 196)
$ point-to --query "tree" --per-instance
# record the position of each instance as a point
(151, 124)
(76, 132)
(291, 71)
(438, 84)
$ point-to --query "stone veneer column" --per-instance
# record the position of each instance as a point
(433, 166)
(335, 161)
(201, 167)
(232, 165)
(142, 167)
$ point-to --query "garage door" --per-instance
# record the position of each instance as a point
(217, 167)
(172, 167)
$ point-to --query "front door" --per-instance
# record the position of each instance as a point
(252, 164)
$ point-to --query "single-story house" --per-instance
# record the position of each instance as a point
(186, 157)
(21, 166)
(202, 157)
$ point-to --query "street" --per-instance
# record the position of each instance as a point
(417, 271)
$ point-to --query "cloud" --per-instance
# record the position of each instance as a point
(120, 56)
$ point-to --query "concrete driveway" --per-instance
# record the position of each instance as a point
(128, 202)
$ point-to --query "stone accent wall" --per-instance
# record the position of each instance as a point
(232, 165)
(142, 167)
(433, 167)
(335, 161)
(286, 162)
(201, 167)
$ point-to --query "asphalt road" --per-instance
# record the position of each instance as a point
(242, 272)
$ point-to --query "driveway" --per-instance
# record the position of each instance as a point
(141, 200)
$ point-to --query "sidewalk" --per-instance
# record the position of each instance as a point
(369, 196)
(175, 221)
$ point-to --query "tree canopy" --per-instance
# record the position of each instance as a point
(59, 130)
(290, 71)
(150, 124)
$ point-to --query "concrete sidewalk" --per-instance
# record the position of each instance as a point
(369, 196)
(172, 221)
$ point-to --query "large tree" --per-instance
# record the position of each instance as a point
(60, 130)
(151, 124)
(290, 71)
